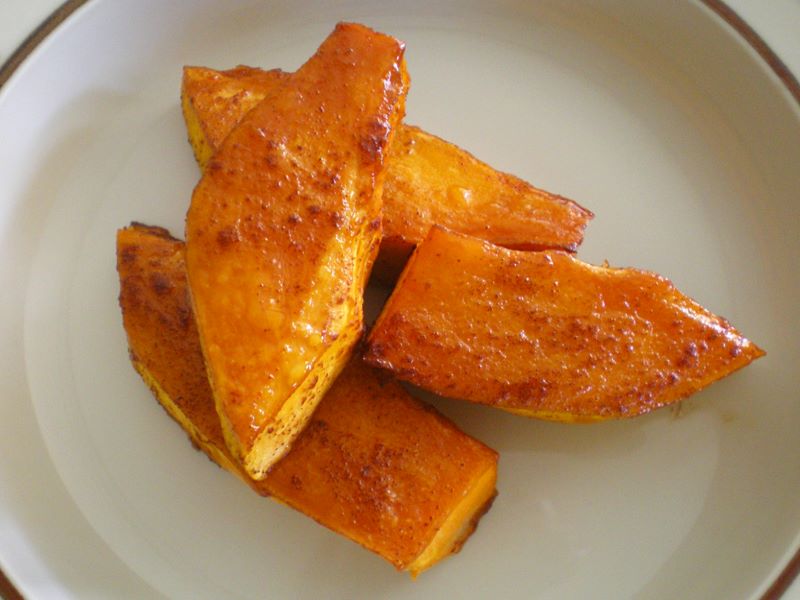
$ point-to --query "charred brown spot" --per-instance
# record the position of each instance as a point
(227, 236)
(689, 358)
(530, 392)
(374, 140)
(317, 427)
(128, 254)
(161, 283)
(375, 349)
(235, 399)
(185, 316)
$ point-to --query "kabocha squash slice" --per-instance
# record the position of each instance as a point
(545, 335)
(281, 234)
(432, 182)
(213, 103)
(374, 464)
(428, 180)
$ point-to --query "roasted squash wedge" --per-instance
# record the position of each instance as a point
(428, 180)
(374, 464)
(545, 335)
(213, 103)
(281, 235)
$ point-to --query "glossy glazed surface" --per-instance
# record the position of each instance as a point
(655, 115)
(281, 235)
(374, 464)
(545, 335)
(428, 180)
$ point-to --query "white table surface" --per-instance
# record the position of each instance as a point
(769, 18)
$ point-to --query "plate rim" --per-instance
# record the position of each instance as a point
(786, 576)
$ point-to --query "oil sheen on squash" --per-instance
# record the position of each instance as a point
(374, 464)
(545, 335)
(428, 180)
(281, 235)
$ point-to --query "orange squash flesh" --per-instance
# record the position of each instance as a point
(374, 464)
(428, 180)
(545, 335)
(281, 234)
(213, 103)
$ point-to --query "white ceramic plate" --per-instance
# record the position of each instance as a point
(657, 116)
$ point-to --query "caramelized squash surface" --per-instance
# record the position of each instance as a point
(213, 103)
(281, 235)
(545, 335)
(374, 464)
(428, 180)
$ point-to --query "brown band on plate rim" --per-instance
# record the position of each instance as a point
(727, 14)
(789, 572)
(36, 36)
(784, 579)
(7, 589)
(722, 10)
